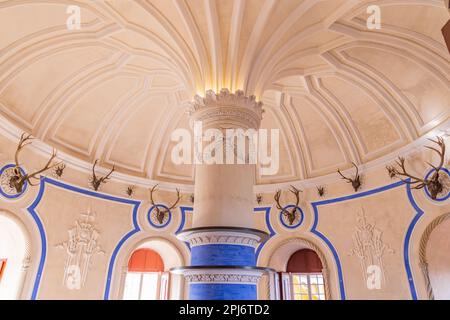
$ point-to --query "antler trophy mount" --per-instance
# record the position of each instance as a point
(95, 181)
(292, 213)
(355, 181)
(159, 212)
(58, 170)
(17, 179)
(434, 183)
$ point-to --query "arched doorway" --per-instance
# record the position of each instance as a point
(145, 278)
(302, 272)
(435, 258)
(147, 265)
(14, 256)
(303, 279)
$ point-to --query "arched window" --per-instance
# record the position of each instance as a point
(303, 279)
(146, 279)
(14, 256)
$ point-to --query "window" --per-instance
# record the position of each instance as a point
(308, 286)
(146, 279)
(303, 279)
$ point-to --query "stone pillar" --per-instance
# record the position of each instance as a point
(223, 240)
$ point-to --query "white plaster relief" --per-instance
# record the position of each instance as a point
(203, 238)
(213, 278)
(81, 246)
(369, 247)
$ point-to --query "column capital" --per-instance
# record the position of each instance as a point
(223, 235)
(233, 109)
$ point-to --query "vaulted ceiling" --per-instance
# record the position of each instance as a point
(116, 88)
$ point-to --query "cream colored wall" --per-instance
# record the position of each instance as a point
(59, 210)
(390, 211)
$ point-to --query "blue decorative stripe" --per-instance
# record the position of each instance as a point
(413, 223)
(269, 227)
(184, 210)
(35, 216)
(418, 214)
(223, 255)
(222, 291)
(183, 218)
(32, 210)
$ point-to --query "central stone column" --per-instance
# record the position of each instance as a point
(223, 240)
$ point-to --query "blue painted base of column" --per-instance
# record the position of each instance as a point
(223, 255)
(222, 291)
(223, 263)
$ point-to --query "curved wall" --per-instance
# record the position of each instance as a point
(395, 215)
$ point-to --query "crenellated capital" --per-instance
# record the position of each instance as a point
(223, 235)
(235, 109)
(236, 277)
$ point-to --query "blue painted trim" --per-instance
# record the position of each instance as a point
(298, 224)
(184, 210)
(333, 251)
(160, 226)
(269, 227)
(419, 212)
(24, 188)
(36, 218)
(426, 189)
(32, 210)
(183, 218)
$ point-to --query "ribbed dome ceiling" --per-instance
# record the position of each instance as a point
(116, 88)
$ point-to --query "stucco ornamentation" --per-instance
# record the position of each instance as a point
(226, 98)
(81, 246)
(368, 246)
(202, 239)
(227, 107)
(220, 278)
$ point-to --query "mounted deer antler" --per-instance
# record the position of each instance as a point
(291, 214)
(160, 214)
(130, 191)
(97, 182)
(355, 181)
(59, 170)
(321, 191)
(17, 180)
(433, 184)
